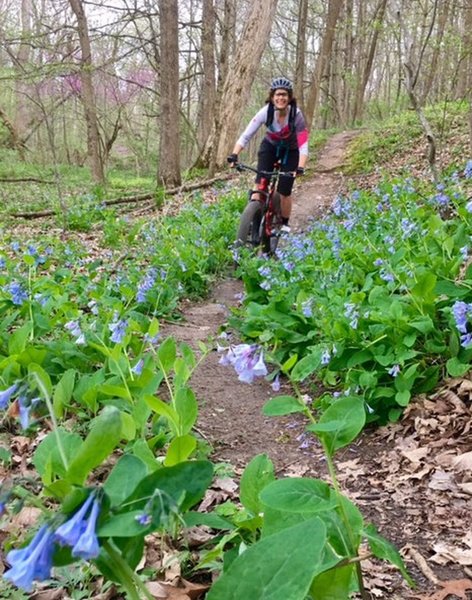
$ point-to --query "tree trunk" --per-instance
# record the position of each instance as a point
(334, 8)
(22, 60)
(208, 95)
(377, 22)
(238, 82)
(169, 138)
(88, 93)
(301, 54)
(438, 38)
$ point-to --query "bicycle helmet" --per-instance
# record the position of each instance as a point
(281, 83)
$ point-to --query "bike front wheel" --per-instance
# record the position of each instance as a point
(271, 230)
(249, 225)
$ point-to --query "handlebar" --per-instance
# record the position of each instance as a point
(267, 174)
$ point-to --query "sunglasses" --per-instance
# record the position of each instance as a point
(281, 95)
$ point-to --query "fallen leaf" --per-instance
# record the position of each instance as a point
(456, 587)
(463, 462)
(447, 553)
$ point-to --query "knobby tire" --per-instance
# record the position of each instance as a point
(248, 233)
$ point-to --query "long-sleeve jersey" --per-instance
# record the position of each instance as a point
(278, 133)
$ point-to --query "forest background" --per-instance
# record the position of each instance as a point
(157, 88)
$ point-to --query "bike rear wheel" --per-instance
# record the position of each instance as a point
(249, 225)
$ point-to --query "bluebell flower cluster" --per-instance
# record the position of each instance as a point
(17, 292)
(394, 371)
(247, 360)
(34, 562)
(351, 311)
(462, 312)
(468, 170)
(74, 328)
(24, 400)
(146, 284)
(118, 330)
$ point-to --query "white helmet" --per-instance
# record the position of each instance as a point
(281, 83)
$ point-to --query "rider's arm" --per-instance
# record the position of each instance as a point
(251, 130)
(302, 138)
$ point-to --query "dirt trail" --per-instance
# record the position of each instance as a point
(230, 411)
(400, 476)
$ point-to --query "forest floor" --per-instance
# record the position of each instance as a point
(408, 478)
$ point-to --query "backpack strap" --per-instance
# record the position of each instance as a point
(270, 114)
(292, 116)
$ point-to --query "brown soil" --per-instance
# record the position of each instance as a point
(405, 477)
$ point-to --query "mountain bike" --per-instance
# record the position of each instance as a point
(261, 220)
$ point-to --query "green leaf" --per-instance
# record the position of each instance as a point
(105, 433)
(335, 584)
(383, 549)
(47, 455)
(306, 366)
(186, 407)
(423, 324)
(282, 405)
(455, 368)
(180, 448)
(123, 479)
(424, 290)
(42, 378)
(339, 425)
(164, 409)
(166, 354)
(128, 426)
(256, 476)
(190, 479)
(403, 398)
(18, 339)
(278, 567)
(124, 525)
(298, 494)
(63, 392)
(116, 391)
(195, 518)
(288, 364)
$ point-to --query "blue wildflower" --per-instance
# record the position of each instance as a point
(76, 331)
(307, 308)
(144, 519)
(276, 383)
(247, 360)
(68, 533)
(25, 405)
(33, 562)
(325, 357)
(461, 311)
(3, 508)
(87, 545)
(138, 367)
(6, 395)
(394, 371)
(468, 206)
(18, 293)
(468, 170)
(2, 263)
(146, 284)
(118, 330)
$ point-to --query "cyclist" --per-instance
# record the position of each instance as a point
(286, 140)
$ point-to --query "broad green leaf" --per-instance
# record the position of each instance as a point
(153, 329)
(117, 391)
(289, 363)
(424, 290)
(282, 405)
(298, 494)
(306, 366)
(189, 479)
(48, 452)
(195, 518)
(63, 392)
(104, 436)
(423, 324)
(164, 409)
(382, 548)
(123, 479)
(166, 354)
(455, 368)
(124, 525)
(278, 567)
(186, 407)
(450, 289)
(403, 398)
(180, 448)
(359, 358)
(128, 426)
(348, 415)
(256, 476)
(42, 378)
(335, 584)
(18, 339)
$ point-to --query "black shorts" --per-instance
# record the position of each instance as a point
(268, 156)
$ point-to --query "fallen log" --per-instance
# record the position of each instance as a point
(138, 198)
